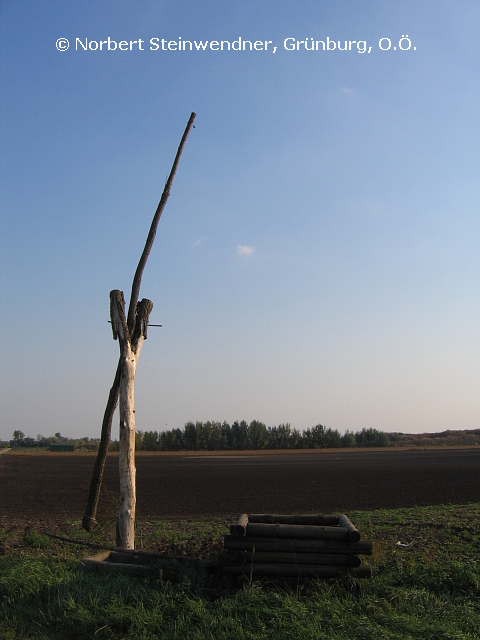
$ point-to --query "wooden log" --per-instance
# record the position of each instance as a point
(268, 518)
(87, 564)
(248, 543)
(353, 534)
(296, 531)
(261, 557)
(239, 556)
(240, 526)
(102, 563)
(98, 557)
(287, 570)
(135, 552)
(130, 558)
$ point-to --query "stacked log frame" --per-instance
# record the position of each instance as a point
(325, 546)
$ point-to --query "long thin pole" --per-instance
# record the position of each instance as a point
(153, 229)
(88, 519)
(94, 545)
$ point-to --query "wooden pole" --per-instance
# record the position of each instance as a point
(137, 279)
(130, 347)
(88, 520)
(96, 482)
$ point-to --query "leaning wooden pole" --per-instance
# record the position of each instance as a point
(88, 520)
(153, 228)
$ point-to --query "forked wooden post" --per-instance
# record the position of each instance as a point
(130, 347)
(95, 485)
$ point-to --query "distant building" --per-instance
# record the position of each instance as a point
(61, 447)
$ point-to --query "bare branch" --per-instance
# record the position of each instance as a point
(132, 307)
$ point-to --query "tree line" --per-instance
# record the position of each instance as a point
(20, 440)
(217, 436)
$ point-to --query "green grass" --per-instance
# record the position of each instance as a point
(429, 588)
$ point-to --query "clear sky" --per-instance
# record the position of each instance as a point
(318, 258)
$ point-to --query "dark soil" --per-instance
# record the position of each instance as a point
(48, 489)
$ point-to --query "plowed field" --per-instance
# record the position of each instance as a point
(50, 488)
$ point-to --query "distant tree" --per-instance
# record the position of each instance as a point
(318, 436)
(333, 438)
(372, 438)
(257, 435)
(18, 437)
(150, 441)
(242, 438)
(226, 436)
(190, 437)
(296, 439)
(138, 440)
(382, 439)
(284, 432)
(177, 439)
(307, 439)
(348, 439)
(205, 431)
(215, 442)
(200, 443)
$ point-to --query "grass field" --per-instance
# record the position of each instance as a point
(427, 588)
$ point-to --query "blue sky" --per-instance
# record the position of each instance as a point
(318, 259)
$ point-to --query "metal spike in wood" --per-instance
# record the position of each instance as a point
(88, 520)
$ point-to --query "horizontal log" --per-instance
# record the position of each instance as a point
(296, 531)
(249, 543)
(130, 558)
(239, 556)
(99, 557)
(240, 526)
(259, 557)
(94, 545)
(287, 570)
(353, 535)
(106, 567)
(268, 518)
